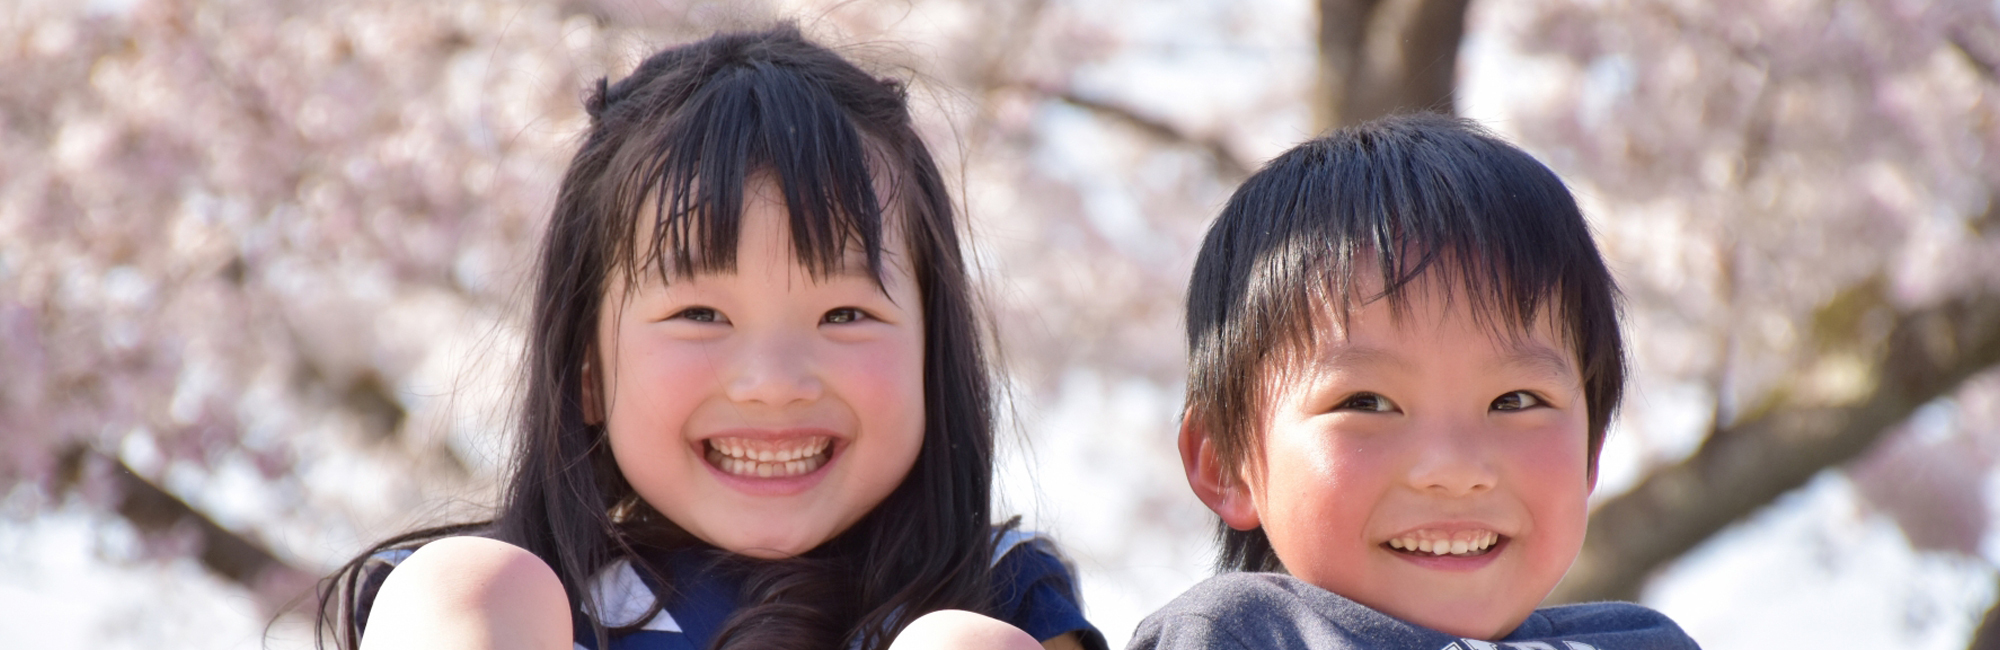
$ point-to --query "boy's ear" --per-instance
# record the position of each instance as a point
(1221, 488)
(593, 395)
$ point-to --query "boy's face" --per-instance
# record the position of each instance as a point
(1430, 468)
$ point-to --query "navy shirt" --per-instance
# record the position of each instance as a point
(1036, 591)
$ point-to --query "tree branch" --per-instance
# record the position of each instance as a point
(1228, 166)
(1987, 635)
(157, 512)
(1748, 464)
(1978, 47)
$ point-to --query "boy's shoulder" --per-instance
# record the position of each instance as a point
(1268, 610)
(1275, 611)
(1606, 626)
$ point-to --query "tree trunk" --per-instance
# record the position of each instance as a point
(1378, 57)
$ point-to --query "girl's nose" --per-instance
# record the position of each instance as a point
(774, 370)
(1451, 460)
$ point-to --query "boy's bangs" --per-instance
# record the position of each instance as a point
(1414, 227)
(692, 174)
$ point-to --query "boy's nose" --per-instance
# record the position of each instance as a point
(1451, 461)
(774, 370)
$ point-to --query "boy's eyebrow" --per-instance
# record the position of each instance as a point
(1347, 354)
(1534, 358)
(1539, 360)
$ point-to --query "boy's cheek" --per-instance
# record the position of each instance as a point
(1556, 476)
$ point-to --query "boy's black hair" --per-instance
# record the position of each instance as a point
(1413, 194)
(677, 141)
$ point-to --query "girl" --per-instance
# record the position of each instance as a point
(757, 413)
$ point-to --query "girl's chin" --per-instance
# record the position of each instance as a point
(765, 553)
(770, 548)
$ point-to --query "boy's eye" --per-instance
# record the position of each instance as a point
(1366, 402)
(1516, 401)
(843, 315)
(699, 315)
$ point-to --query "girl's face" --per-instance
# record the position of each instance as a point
(761, 409)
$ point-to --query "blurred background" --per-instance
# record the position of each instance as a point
(261, 268)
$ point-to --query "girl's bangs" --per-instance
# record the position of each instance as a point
(691, 175)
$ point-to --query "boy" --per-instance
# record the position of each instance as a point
(1404, 353)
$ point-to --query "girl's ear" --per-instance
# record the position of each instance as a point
(1222, 489)
(593, 398)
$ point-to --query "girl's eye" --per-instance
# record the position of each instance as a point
(700, 315)
(1366, 402)
(1516, 401)
(843, 315)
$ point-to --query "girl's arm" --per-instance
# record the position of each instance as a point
(962, 630)
(957, 629)
(469, 593)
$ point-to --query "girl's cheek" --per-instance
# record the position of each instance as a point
(883, 351)
(882, 383)
(891, 370)
(657, 374)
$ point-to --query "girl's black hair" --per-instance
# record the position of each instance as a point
(1413, 193)
(678, 140)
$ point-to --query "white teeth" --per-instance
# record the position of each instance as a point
(744, 450)
(1476, 544)
(744, 458)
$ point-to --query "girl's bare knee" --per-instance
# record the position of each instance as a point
(954, 628)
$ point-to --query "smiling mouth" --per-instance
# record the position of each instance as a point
(755, 458)
(1472, 544)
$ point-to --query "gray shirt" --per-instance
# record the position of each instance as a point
(1269, 611)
